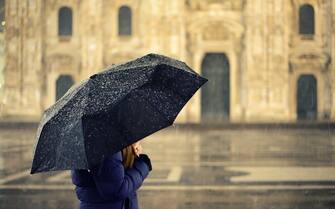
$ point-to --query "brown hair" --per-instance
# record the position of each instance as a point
(128, 157)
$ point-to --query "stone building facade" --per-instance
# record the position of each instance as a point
(266, 61)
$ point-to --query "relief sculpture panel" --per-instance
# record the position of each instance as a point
(216, 31)
(225, 4)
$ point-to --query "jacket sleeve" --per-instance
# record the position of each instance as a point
(113, 181)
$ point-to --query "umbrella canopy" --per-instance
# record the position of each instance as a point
(111, 110)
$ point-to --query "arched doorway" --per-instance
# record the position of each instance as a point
(215, 96)
(63, 83)
(307, 98)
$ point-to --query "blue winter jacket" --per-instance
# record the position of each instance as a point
(108, 186)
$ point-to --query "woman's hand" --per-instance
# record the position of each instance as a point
(147, 160)
(137, 148)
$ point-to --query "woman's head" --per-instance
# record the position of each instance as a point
(129, 153)
(128, 157)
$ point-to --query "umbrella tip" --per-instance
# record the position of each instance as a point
(33, 170)
(152, 55)
(93, 76)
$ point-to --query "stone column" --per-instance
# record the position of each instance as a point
(256, 57)
(23, 39)
(91, 31)
(277, 59)
(2, 60)
(332, 66)
(266, 46)
(327, 13)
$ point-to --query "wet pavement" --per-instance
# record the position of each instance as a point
(246, 168)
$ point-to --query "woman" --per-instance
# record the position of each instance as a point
(113, 184)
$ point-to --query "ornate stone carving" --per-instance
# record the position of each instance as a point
(207, 4)
(61, 59)
(60, 63)
(319, 60)
(216, 31)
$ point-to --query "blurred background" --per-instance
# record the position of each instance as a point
(259, 134)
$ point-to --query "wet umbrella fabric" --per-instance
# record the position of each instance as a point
(111, 110)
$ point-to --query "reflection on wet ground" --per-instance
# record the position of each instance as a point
(256, 168)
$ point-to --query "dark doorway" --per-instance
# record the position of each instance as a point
(307, 98)
(63, 83)
(215, 96)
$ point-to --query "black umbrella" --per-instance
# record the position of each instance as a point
(111, 110)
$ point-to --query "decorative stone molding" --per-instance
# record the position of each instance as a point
(313, 60)
(216, 31)
(61, 59)
(236, 5)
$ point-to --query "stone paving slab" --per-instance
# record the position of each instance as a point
(223, 178)
(181, 199)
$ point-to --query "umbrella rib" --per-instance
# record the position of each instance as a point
(176, 92)
(82, 131)
(72, 95)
